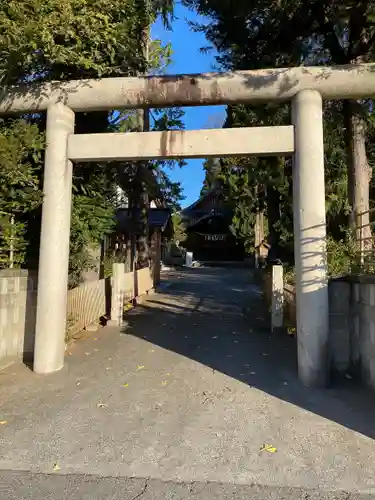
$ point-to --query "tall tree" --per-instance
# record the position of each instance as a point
(75, 39)
(253, 34)
(315, 32)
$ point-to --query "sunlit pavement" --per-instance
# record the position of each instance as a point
(195, 398)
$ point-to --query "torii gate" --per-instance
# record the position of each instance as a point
(306, 87)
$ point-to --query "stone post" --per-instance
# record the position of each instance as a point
(117, 302)
(50, 327)
(277, 303)
(310, 239)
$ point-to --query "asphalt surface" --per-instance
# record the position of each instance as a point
(180, 404)
(27, 486)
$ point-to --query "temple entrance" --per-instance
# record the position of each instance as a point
(208, 233)
(305, 87)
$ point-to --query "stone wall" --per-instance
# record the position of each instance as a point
(18, 297)
(352, 323)
(361, 328)
(17, 313)
(352, 327)
(86, 305)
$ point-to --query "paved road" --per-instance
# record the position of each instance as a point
(188, 393)
(28, 486)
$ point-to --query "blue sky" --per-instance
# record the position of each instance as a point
(188, 59)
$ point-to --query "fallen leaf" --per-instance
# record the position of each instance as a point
(167, 374)
(151, 350)
(291, 330)
(140, 367)
(56, 467)
(164, 382)
(125, 385)
(269, 448)
(3, 422)
(87, 353)
(102, 405)
(95, 338)
(96, 350)
(78, 383)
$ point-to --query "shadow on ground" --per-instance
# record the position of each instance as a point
(217, 317)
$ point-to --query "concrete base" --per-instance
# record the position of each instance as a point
(142, 298)
(112, 323)
(8, 361)
(92, 328)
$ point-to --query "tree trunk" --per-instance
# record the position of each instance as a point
(273, 203)
(259, 236)
(143, 249)
(273, 213)
(359, 172)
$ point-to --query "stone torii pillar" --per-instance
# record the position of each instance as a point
(310, 239)
(50, 327)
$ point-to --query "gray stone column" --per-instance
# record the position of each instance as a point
(54, 243)
(310, 239)
(277, 302)
(117, 295)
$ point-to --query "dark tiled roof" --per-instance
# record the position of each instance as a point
(157, 218)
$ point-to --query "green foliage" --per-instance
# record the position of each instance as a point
(179, 229)
(343, 256)
(212, 168)
(252, 34)
(21, 146)
(61, 40)
(92, 218)
(342, 259)
(171, 192)
(12, 242)
(111, 259)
